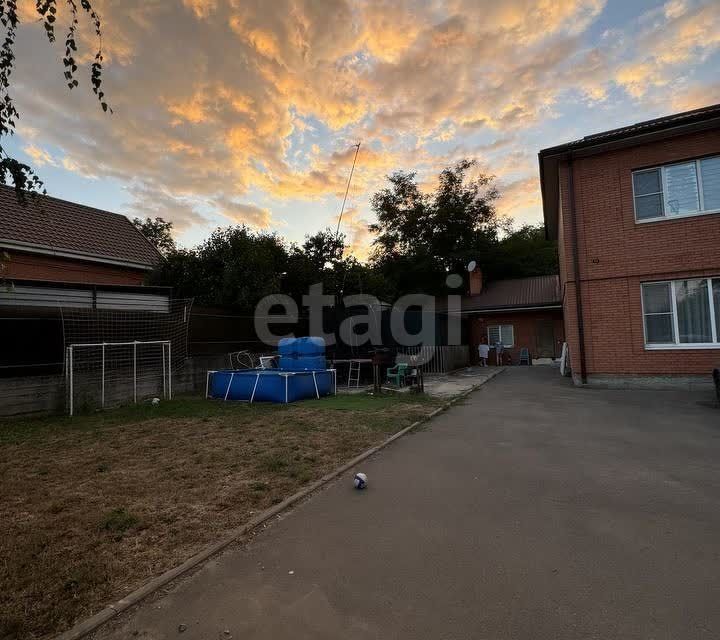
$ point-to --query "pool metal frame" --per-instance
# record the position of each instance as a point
(284, 374)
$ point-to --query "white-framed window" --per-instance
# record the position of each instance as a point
(675, 190)
(682, 314)
(502, 333)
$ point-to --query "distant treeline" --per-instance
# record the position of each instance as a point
(419, 239)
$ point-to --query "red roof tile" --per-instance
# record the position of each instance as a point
(48, 223)
(538, 291)
(657, 124)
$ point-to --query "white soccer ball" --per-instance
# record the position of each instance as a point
(360, 481)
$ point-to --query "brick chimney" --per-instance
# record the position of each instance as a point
(476, 282)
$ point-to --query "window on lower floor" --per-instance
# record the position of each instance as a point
(502, 333)
(682, 312)
(716, 305)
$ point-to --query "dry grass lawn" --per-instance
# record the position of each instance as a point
(92, 507)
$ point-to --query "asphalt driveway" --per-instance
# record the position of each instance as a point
(532, 510)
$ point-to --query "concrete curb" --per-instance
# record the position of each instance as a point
(94, 622)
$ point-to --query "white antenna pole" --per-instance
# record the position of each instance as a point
(347, 189)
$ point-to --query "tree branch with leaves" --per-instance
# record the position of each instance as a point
(158, 232)
(12, 171)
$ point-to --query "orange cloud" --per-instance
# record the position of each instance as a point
(689, 33)
(696, 96)
(329, 175)
(207, 102)
(678, 35)
(244, 213)
(519, 197)
(265, 43)
(216, 99)
(39, 156)
(201, 8)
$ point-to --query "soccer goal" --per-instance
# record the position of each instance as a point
(105, 374)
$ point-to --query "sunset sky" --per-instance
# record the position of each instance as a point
(244, 111)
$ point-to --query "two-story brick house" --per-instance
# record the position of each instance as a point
(636, 212)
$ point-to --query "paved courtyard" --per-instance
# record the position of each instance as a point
(532, 510)
(448, 385)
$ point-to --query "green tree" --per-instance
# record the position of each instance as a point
(421, 237)
(340, 272)
(234, 267)
(321, 259)
(240, 267)
(11, 170)
(158, 232)
(324, 248)
(524, 252)
(181, 270)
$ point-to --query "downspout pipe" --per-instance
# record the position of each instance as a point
(576, 271)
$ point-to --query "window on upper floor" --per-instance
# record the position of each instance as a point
(682, 313)
(681, 189)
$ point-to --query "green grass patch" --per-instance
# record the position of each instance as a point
(14, 430)
(103, 502)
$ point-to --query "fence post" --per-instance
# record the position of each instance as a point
(169, 369)
(102, 384)
(164, 380)
(66, 371)
(135, 372)
(70, 361)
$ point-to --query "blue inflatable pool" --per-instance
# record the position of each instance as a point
(270, 385)
(302, 354)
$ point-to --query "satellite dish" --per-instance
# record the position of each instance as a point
(471, 266)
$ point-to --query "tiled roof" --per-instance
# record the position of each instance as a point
(647, 126)
(538, 291)
(48, 223)
(665, 128)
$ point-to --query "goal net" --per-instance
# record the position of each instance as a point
(108, 374)
(128, 349)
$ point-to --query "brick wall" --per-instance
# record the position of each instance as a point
(524, 329)
(28, 266)
(616, 254)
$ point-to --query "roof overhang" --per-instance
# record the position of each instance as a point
(542, 307)
(549, 160)
(28, 247)
(550, 193)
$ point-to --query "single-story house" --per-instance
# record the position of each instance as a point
(59, 258)
(519, 313)
(49, 239)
